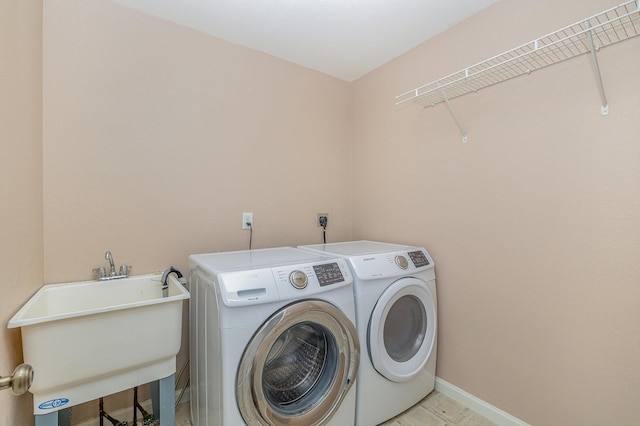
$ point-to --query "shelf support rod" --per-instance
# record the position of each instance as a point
(604, 109)
(453, 114)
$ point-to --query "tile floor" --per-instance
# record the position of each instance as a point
(183, 417)
(438, 410)
(435, 410)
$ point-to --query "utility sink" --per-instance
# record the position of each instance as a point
(90, 339)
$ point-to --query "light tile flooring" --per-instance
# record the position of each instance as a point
(438, 410)
(183, 417)
(435, 410)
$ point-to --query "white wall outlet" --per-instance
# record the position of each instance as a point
(247, 220)
(323, 219)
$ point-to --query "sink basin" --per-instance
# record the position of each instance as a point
(90, 339)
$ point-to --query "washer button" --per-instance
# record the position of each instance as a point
(298, 279)
(402, 262)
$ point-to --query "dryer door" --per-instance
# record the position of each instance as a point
(402, 329)
(298, 367)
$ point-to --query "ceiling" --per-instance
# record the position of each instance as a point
(342, 38)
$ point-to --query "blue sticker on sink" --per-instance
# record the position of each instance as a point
(53, 403)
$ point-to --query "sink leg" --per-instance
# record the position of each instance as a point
(57, 418)
(64, 417)
(163, 399)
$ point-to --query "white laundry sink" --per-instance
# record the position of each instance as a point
(90, 339)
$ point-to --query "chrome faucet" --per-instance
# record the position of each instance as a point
(112, 266)
(100, 274)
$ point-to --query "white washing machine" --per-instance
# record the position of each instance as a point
(396, 318)
(272, 339)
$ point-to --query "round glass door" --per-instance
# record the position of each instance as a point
(405, 328)
(298, 367)
(402, 330)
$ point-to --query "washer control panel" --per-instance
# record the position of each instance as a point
(264, 285)
(325, 274)
(328, 273)
(306, 279)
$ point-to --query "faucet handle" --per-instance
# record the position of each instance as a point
(100, 272)
(125, 269)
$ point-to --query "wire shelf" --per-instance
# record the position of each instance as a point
(611, 26)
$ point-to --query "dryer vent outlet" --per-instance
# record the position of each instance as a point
(323, 219)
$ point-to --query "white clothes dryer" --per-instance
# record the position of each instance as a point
(396, 318)
(272, 339)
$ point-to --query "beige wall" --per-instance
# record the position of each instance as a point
(20, 182)
(158, 137)
(533, 224)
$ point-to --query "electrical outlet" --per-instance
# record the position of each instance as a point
(323, 219)
(247, 220)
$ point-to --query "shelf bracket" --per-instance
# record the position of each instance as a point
(453, 114)
(604, 108)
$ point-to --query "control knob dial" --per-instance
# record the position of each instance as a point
(298, 279)
(401, 261)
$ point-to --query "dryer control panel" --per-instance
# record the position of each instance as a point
(418, 258)
(385, 265)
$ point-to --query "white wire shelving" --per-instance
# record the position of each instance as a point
(584, 37)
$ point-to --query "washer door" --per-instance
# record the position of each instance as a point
(402, 329)
(298, 367)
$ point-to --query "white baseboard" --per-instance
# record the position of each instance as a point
(481, 407)
(127, 413)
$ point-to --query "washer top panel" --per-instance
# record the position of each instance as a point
(253, 259)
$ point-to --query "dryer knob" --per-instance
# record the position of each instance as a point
(298, 279)
(402, 262)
